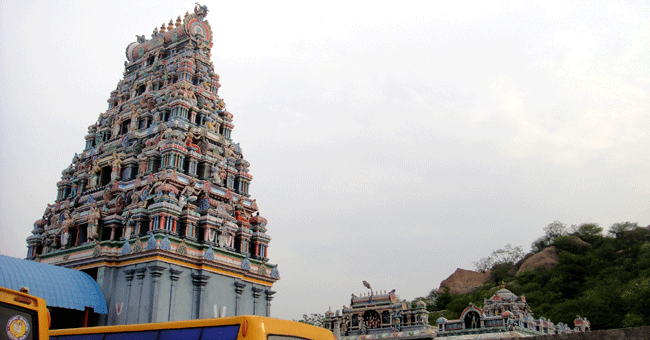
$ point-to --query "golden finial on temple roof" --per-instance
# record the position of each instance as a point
(503, 284)
(178, 21)
(170, 26)
(163, 29)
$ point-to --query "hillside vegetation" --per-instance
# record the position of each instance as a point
(605, 278)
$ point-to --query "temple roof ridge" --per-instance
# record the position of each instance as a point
(192, 25)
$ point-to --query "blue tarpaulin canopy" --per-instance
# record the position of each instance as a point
(59, 286)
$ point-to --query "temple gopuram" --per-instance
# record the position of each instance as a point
(377, 315)
(504, 315)
(156, 208)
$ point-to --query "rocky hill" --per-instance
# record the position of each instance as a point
(577, 271)
(545, 259)
(464, 281)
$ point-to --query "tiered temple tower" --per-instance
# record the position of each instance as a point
(157, 207)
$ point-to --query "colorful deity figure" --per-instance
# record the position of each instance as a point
(55, 243)
(142, 158)
(188, 194)
(189, 142)
(116, 127)
(240, 213)
(117, 166)
(94, 175)
(201, 11)
(362, 325)
(511, 324)
(66, 225)
(75, 185)
(215, 175)
(65, 237)
(344, 324)
(425, 319)
(397, 316)
(47, 244)
(211, 125)
(128, 223)
(93, 221)
(135, 115)
(221, 105)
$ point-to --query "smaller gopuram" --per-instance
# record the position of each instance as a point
(377, 315)
(504, 315)
(383, 315)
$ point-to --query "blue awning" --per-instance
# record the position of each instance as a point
(59, 286)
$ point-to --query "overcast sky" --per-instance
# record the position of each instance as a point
(388, 143)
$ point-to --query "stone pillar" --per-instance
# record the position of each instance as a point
(239, 289)
(128, 274)
(189, 229)
(138, 228)
(140, 273)
(174, 275)
(337, 328)
(206, 232)
(156, 272)
(269, 298)
(199, 281)
(152, 165)
(256, 295)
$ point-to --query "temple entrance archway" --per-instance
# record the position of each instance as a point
(472, 320)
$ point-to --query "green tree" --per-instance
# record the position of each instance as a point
(555, 229)
(443, 299)
(506, 255)
(313, 319)
(606, 279)
(551, 232)
(590, 232)
(500, 272)
(617, 229)
(572, 243)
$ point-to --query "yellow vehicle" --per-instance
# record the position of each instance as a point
(229, 328)
(23, 316)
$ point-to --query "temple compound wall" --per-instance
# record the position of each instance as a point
(504, 315)
(632, 333)
(156, 207)
(505, 312)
